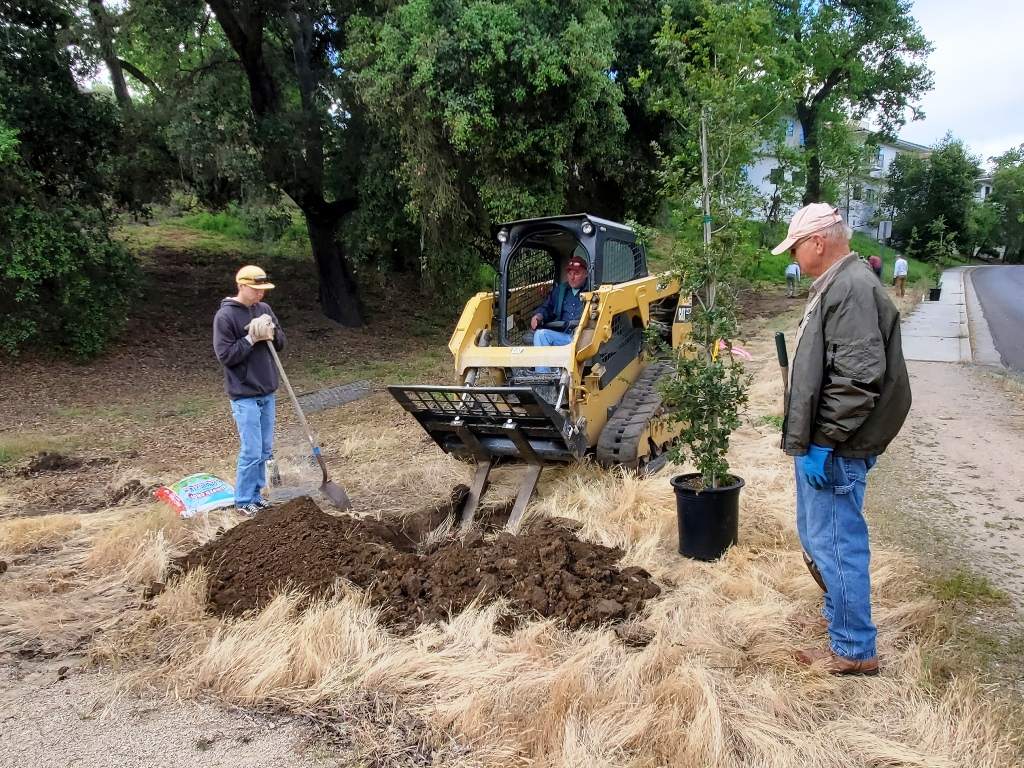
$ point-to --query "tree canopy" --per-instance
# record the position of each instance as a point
(500, 111)
(62, 279)
(856, 59)
(922, 189)
(1008, 199)
(403, 132)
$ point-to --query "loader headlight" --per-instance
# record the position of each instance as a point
(587, 227)
(503, 236)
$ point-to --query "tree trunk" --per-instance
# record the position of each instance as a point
(807, 116)
(295, 162)
(711, 345)
(337, 291)
(105, 35)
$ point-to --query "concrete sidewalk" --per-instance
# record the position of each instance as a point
(952, 329)
(938, 331)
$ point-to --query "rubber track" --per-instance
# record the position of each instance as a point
(619, 443)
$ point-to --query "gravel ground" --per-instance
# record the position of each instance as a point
(48, 719)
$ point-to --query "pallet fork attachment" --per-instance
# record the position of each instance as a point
(487, 423)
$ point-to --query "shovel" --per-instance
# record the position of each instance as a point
(780, 348)
(335, 494)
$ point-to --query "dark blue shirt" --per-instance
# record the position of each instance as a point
(572, 306)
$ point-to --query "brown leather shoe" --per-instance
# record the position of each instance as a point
(838, 665)
(804, 623)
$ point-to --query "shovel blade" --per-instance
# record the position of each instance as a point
(336, 496)
(815, 573)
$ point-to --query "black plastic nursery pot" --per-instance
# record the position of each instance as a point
(709, 520)
(933, 294)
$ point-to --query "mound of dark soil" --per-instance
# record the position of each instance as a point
(544, 572)
(50, 462)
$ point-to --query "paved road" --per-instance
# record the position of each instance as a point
(1001, 293)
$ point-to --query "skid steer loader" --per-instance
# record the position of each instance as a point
(601, 399)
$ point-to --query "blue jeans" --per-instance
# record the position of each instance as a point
(254, 417)
(834, 533)
(545, 337)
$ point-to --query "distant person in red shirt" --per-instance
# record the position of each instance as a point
(876, 265)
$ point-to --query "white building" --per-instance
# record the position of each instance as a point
(859, 204)
(982, 188)
(861, 207)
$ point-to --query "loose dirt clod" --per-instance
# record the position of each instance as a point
(544, 572)
(130, 491)
(50, 462)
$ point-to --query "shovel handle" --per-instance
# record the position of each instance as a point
(780, 348)
(298, 410)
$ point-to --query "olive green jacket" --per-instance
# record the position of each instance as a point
(848, 389)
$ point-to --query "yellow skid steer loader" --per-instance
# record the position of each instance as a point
(601, 397)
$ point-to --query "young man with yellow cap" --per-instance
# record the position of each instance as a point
(240, 327)
(848, 395)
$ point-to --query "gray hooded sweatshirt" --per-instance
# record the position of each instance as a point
(249, 369)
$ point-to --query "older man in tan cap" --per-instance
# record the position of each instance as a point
(848, 396)
(241, 326)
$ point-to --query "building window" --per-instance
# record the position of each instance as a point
(880, 158)
(869, 195)
(776, 176)
(789, 127)
(858, 192)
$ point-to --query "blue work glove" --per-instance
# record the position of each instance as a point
(814, 466)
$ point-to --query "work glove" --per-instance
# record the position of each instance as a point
(813, 465)
(261, 329)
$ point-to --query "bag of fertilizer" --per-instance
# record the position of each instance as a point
(196, 494)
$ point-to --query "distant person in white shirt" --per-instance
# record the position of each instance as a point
(792, 279)
(899, 274)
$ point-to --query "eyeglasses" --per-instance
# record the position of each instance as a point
(798, 243)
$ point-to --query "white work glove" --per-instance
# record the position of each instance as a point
(261, 329)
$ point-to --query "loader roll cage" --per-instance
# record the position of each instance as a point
(534, 253)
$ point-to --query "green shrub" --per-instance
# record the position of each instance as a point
(255, 222)
(266, 223)
(63, 281)
(223, 223)
(768, 268)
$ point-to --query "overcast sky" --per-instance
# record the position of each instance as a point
(979, 74)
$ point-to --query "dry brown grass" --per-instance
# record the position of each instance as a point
(138, 544)
(716, 686)
(34, 534)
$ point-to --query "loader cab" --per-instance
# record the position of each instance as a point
(534, 253)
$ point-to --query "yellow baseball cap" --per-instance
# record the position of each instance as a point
(254, 276)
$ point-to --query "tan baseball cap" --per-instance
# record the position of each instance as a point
(254, 276)
(808, 220)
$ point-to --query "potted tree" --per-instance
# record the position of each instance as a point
(940, 250)
(707, 390)
(716, 81)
